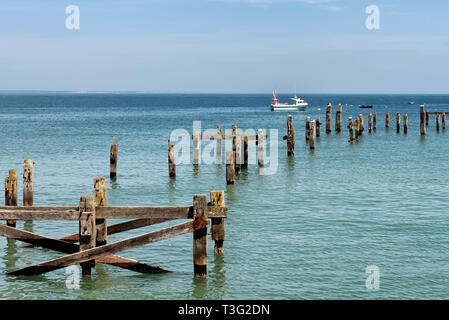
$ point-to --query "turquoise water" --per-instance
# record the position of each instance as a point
(307, 232)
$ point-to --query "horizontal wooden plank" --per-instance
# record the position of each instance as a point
(437, 112)
(69, 248)
(226, 136)
(71, 213)
(98, 252)
(39, 213)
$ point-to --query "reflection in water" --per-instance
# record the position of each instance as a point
(199, 288)
(171, 188)
(28, 225)
(10, 258)
(218, 277)
(114, 184)
(196, 170)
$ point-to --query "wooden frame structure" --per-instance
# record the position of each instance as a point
(92, 214)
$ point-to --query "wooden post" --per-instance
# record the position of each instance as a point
(171, 160)
(260, 147)
(329, 118)
(405, 123)
(238, 154)
(113, 160)
(312, 136)
(196, 148)
(11, 194)
(28, 182)
(101, 200)
(219, 133)
(338, 119)
(318, 124)
(351, 130)
(422, 121)
(387, 120)
(370, 122)
(398, 122)
(375, 121)
(357, 128)
(438, 122)
(443, 120)
(245, 153)
(362, 125)
(427, 118)
(230, 169)
(87, 230)
(200, 235)
(290, 136)
(307, 129)
(218, 224)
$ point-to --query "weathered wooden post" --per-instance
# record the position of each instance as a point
(387, 120)
(443, 120)
(218, 224)
(361, 123)
(398, 122)
(113, 160)
(200, 235)
(438, 122)
(238, 155)
(329, 118)
(28, 182)
(219, 139)
(230, 169)
(307, 129)
(11, 193)
(357, 128)
(196, 148)
(260, 147)
(351, 130)
(318, 125)
(422, 121)
(370, 122)
(101, 200)
(405, 123)
(338, 118)
(290, 136)
(87, 230)
(427, 118)
(245, 152)
(171, 160)
(375, 121)
(312, 136)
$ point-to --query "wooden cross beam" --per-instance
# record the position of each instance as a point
(72, 213)
(438, 112)
(70, 248)
(108, 249)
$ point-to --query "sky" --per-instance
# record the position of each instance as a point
(225, 46)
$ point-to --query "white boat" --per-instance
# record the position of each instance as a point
(298, 104)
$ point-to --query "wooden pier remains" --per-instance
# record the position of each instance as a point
(398, 122)
(93, 209)
(387, 120)
(113, 160)
(370, 122)
(11, 193)
(329, 118)
(405, 123)
(318, 125)
(28, 182)
(307, 132)
(312, 136)
(230, 168)
(171, 160)
(338, 118)
(375, 121)
(422, 121)
(290, 136)
(260, 147)
(351, 130)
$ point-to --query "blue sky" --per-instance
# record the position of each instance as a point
(241, 46)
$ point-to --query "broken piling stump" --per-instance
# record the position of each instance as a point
(329, 118)
(387, 120)
(28, 182)
(318, 125)
(438, 122)
(338, 118)
(218, 224)
(171, 160)
(375, 121)
(312, 136)
(370, 122)
(230, 169)
(260, 147)
(351, 130)
(87, 230)
(422, 121)
(196, 148)
(113, 160)
(398, 122)
(219, 147)
(100, 200)
(290, 136)
(307, 132)
(11, 193)
(200, 235)
(405, 123)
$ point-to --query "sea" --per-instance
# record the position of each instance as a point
(367, 220)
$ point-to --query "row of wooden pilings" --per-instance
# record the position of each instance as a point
(236, 160)
(356, 126)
